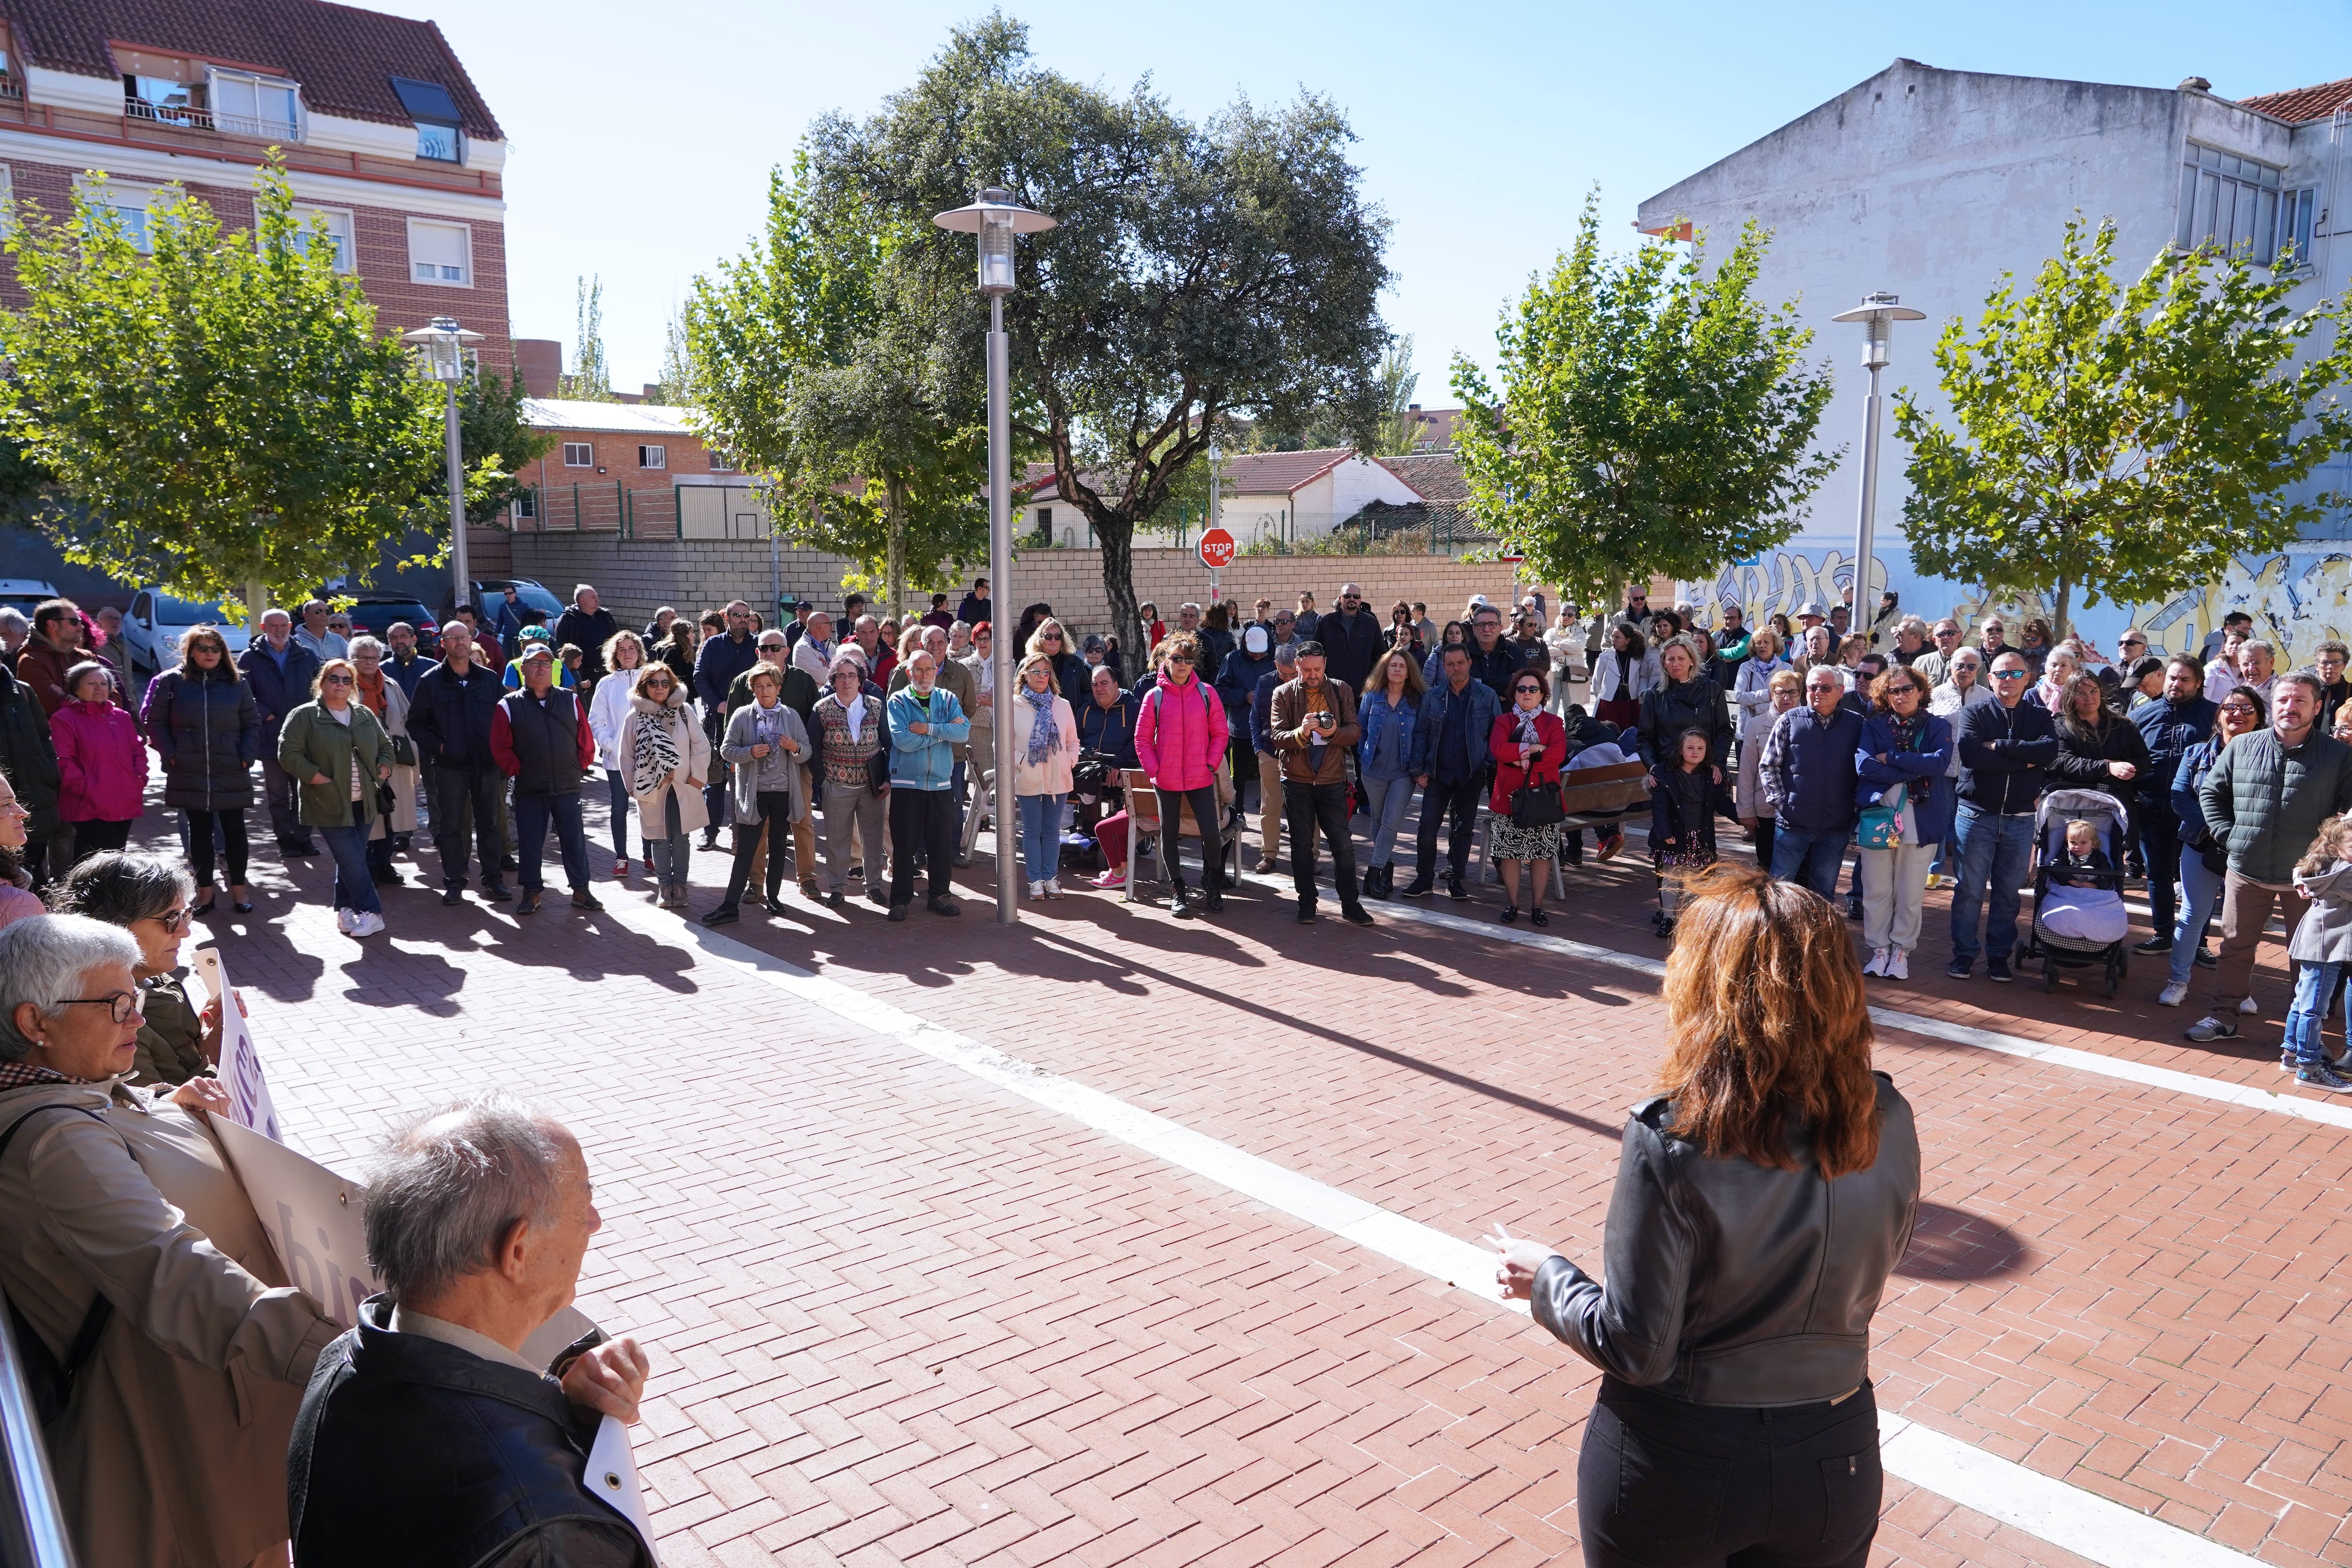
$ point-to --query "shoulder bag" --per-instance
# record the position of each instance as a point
(1537, 805)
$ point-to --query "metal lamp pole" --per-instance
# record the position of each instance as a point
(442, 346)
(1878, 313)
(996, 220)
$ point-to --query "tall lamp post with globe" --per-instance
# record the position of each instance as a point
(996, 220)
(441, 355)
(1877, 313)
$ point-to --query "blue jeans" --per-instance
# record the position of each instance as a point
(1041, 835)
(354, 884)
(673, 850)
(617, 788)
(533, 813)
(2200, 895)
(1387, 799)
(1809, 859)
(1994, 849)
(2314, 988)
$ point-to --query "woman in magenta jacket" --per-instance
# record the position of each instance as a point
(101, 765)
(1180, 738)
(1528, 744)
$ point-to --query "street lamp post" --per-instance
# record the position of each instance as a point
(441, 354)
(996, 220)
(1878, 313)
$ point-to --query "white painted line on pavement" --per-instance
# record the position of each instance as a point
(2080, 1521)
(2328, 1112)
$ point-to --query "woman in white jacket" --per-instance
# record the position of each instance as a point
(1753, 691)
(608, 709)
(664, 758)
(1627, 668)
(1044, 745)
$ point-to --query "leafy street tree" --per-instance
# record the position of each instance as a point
(1654, 419)
(2125, 441)
(1199, 271)
(222, 414)
(813, 367)
(590, 379)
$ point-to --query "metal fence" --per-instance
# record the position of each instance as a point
(677, 511)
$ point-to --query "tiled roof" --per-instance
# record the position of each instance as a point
(2300, 105)
(627, 418)
(1435, 476)
(1452, 522)
(344, 58)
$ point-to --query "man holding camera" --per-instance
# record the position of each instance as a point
(1314, 727)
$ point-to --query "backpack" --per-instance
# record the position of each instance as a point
(50, 1380)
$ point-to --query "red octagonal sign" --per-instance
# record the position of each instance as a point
(1217, 549)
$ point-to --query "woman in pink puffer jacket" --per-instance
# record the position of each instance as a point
(1180, 738)
(101, 765)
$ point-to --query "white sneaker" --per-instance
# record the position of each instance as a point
(1877, 962)
(367, 925)
(2248, 1007)
(2173, 994)
(343, 918)
(1052, 886)
(1898, 966)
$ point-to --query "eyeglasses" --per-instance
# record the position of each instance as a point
(1178, 658)
(2009, 675)
(1049, 637)
(172, 920)
(2134, 642)
(771, 648)
(125, 1003)
(1528, 690)
(336, 680)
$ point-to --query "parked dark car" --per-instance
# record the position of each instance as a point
(374, 613)
(489, 593)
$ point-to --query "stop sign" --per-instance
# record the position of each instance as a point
(1217, 549)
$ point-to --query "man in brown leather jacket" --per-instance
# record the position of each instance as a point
(1314, 727)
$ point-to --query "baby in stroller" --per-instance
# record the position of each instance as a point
(2086, 902)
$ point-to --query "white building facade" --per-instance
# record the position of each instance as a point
(1930, 184)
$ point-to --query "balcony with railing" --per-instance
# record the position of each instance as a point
(234, 106)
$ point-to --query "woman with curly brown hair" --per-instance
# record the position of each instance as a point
(1763, 1195)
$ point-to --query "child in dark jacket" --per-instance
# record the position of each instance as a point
(2084, 864)
(1685, 800)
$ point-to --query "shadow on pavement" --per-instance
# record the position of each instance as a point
(1952, 1244)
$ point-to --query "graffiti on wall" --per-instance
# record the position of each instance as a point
(2298, 598)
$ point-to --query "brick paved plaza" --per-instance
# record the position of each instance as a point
(912, 1302)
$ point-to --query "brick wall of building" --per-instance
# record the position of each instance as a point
(638, 576)
(380, 243)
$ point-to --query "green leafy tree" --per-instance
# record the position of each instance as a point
(221, 416)
(497, 441)
(1199, 270)
(2123, 440)
(1654, 417)
(812, 364)
(590, 380)
(676, 385)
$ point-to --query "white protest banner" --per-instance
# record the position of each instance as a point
(613, 1477)
(240, 1064)
(311, 1213)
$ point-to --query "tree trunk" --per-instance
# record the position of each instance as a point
(1116, 534)
(897, 567)
(2059, 631)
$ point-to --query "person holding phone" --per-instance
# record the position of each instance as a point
(1736, 1413)
(1314, 726)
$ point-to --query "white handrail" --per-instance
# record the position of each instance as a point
(28, 1460)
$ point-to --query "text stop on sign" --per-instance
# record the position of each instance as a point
(1217, 549)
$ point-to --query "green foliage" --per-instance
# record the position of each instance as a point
(590, 380)
(222, 415)
(2123, 440)
(676, 385)
(1231, 267)
(497, 441)
(811, 361)
(1654, 418)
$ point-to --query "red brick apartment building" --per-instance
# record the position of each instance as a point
(381, 129)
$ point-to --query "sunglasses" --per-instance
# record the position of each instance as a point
(336, 680)
(2009, 674)
(1528, 690)
(2134, 642)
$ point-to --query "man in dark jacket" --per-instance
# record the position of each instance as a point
(450, 720)
(588, 628)
(281, 672)
(1251, 661)
(2006, 747)
(1352, 638)
(540, 737)
(2329, 658)
(2265, 798)
(427, 1438)
(976, 606)
(1315, 728)
(1808, 781)
(1451, 735)
(716, 663)
(1493, 662)
(2168, 725)
(30, 759)
(1269, 760)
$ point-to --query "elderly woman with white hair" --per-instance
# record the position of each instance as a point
(146, 1296)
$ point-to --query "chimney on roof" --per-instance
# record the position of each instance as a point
(2195, 84)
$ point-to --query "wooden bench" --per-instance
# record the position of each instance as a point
(1143, 824)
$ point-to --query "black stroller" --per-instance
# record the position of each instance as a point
(2084, 926)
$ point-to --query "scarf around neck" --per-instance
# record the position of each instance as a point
(653, 756)
(1044, 735)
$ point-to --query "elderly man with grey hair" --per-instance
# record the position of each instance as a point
(141, 1281)
(427, 1438)
(1269, 761)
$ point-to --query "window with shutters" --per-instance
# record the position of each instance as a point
(441, 253)
(579, 455)
(255, 106)
(338, 224)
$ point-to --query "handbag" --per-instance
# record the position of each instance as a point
(403, 751)
(1881, 827)
(1537, 805)
(386, 802)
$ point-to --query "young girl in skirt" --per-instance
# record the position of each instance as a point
(2322, 949)
(1685, 800)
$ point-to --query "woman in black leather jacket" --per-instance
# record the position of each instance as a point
(1762, 1198)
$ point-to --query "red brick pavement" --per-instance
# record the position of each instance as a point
(905, 1316)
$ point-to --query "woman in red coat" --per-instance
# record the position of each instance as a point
(1529, 745)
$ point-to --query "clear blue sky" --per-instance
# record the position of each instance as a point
(642, 136)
